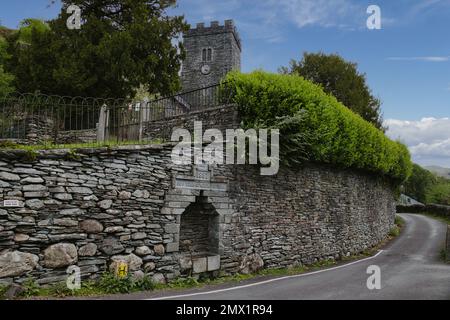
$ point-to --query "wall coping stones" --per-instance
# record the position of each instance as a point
(14, 154)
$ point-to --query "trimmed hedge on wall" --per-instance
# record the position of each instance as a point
(331, 132)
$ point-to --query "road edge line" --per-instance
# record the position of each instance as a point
(266, 281)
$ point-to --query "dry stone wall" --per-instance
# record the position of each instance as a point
(221, 118)
(304, 216)
(97, 207)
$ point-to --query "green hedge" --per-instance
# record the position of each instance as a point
(331, 132)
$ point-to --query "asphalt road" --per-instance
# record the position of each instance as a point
(409, 267)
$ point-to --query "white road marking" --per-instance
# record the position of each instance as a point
(267, 281)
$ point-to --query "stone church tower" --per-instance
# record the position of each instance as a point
(211, 52)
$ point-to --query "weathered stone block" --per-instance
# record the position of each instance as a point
(177, 204)
(149, 266)
(141, 194)
(159, 249)
(65, 222)
(30, 171)
(199, 265)
(20, 237)
(60, 255)
(58, 189)
(138, 236)
(251, 264)
(172, 247)
(158, 278)
(79, 190)
(35, 204)
(72, 212)
(105, 204)
(90, 198)
(111, 246)
(124, 195)
(172, 228)
(134, 262)
(67, 237)
(91, 226)
(181, 198)
(213, 263)
(114, 229)
(174, 211)
(63, 196)
(34, 188)
(16, 263)
(185, 263)
(37, 194)
(88, 250)
(143, 251)
(30, 180)
(9, 176)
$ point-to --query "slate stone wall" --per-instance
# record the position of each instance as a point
(304, 216)
(101, 206)
(221, 118)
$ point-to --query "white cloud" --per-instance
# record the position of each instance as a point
(323, 13)
(427, 139)
(426, 58)
(437, 149)
(266, 20)
(427, 5)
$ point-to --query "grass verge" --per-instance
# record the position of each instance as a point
(9, 145)
(443, 253)
(437, 217)
(444, 256)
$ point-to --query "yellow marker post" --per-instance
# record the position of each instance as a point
(122, 270)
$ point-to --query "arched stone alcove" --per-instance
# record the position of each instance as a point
(199, 229)
(197, 207)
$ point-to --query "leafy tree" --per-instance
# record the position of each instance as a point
(122, 45)
(27, 27)
(341, 79)
(419, 183)
(6, 79)
(439, 193)
(31, 55)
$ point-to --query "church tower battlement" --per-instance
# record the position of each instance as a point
(211, 52)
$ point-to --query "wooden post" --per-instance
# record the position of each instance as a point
(143, 115)
(447, 245)
(102, 124)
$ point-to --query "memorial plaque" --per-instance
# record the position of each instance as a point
(202, 172)
(203, 175)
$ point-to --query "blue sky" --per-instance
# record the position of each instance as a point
(407, 62)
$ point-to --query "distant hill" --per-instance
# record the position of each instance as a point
(440, 171)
